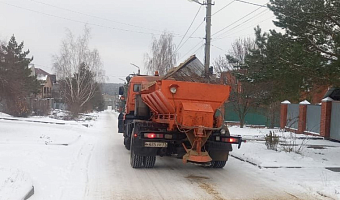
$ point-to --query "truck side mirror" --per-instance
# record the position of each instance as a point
(121, 90)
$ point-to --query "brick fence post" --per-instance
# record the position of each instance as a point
(302, 116)
(283, 115)
(325, 121)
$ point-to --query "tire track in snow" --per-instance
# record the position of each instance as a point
(76, 181)
(87, 171)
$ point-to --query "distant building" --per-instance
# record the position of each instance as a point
(46, 82)
(44, 101)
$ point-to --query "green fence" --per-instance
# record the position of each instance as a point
(258, 116)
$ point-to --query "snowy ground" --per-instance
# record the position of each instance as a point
(310, 167)
(72, 161)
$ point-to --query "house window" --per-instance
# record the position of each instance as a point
(45, 90)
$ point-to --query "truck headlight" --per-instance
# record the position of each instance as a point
(223, 131)
(173, 90)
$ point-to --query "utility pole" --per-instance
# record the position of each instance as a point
(207, 39)
(207, 36)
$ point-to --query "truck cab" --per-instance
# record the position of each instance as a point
(129, 93)
(134, 88)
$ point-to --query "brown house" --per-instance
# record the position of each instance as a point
(316, 94)
(229, 79)
(46, 82)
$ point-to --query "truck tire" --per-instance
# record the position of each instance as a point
(127, 142)
(136, 161)
(218, 164)
(149, 161)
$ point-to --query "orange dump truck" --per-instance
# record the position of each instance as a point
(175, 116)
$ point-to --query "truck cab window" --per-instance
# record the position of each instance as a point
(136, 87)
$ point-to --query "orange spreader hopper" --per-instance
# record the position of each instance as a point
(188, 107)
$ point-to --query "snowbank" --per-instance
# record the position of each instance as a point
(57, 117)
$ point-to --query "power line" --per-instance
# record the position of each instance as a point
(251, 3)
(254, 17)
(93, 16)
(87, 23)
(219, 48)
(244, 28)
(77, 21)
(223, 8)
(192, 49)
(239, 36)
(201, 24)
(237, 21)
(191, 36)
(199, 49)
(188, 28)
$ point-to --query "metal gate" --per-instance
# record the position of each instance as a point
(335, 121)
(313, 119)
(292, 116)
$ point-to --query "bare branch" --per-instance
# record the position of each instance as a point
(162, 56)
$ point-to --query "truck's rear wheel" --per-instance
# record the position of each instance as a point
(136, 161)
(149, 161)
(127, 142)
(218, 164)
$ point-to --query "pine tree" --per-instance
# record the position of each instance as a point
(284, 65)
(97, 102)
(314, 24)
(16, 82)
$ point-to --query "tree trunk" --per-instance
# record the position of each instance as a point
(241, 122)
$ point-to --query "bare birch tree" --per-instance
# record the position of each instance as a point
(162, 55)
(221, 65)
(244, 95)
(236, 55)
(78, 69)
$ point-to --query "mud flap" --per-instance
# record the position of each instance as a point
(219, 155)
(219, 151)
(120, 123)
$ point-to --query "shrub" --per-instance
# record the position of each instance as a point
(18, 108)
(272, 140)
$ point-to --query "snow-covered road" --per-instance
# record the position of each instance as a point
(111, 177)
(95, 165)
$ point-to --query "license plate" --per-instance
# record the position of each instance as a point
(155, 144)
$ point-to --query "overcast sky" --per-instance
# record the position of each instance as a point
(122, 31)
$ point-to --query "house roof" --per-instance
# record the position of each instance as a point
(39, 71)
(333, 93)
(41, 77)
